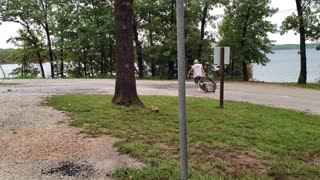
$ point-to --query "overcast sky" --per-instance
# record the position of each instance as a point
(286, 7)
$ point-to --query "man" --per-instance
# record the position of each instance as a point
(198, 74)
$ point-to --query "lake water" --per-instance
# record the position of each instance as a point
(7, 68)
(283, 67)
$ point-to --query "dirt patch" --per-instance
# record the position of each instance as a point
(244, 160)
(314, 160)
(70, 169)
(237, 159)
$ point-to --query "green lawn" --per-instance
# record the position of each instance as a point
(242, 141)
(7, 84)
(315, 86)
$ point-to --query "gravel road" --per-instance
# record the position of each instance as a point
(259, 93)
(35, 141)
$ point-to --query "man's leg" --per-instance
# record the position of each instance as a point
(197, 83)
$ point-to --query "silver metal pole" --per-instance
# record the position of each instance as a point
(182, 89)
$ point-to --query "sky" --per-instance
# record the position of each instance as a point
(286, 7)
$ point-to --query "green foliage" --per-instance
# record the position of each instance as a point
(245, 29)
(315, 86)
(283, 141)
(5, 55)
(25, 72)
(311, 18)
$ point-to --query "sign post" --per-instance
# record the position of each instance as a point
(221, 57)
(222, 78)
(182, 89)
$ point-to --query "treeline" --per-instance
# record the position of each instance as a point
(294, 46)
(5, 55)
(82, 33)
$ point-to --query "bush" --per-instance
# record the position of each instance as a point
(25, 71)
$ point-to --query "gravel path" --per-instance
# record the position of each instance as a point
(306, 100)
(35, 140)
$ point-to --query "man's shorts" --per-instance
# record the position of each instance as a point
(198, 80)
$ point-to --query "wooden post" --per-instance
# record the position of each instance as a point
(222, 77)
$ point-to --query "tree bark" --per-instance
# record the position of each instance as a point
(110, 58)
(4, 74)
(243, 35)
(102, 59)
(40, 63)
(245, 71)
(153, 66)
(61, 62)
(85, 66)
(125, 91)
(79, 68)
(303, 57)
(91, 68)
(36, 46)
(138, 48)
(202, 31)
(171, 69)
(46, 27)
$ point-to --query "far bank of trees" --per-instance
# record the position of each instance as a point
(82, 33)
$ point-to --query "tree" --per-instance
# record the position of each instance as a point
(307, 23)
(42, 14)
(20, 12)
(125, 91)
(245, 29)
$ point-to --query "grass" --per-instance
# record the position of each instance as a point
(315, 86)
(243, 141)
(7, 84)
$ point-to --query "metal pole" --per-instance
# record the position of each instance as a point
(222, 77)
(182, 89)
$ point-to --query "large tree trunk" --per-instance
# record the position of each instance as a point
(202, 31)
(232, 67)
(91, 67)
(303, 58)
(153, 66)
(34, 42)
(85, 58)
(171, 69)
(245, 71)
(40, 63)
(61, 62)
(102, 59)
(110, 58)
(46, 27)
(243, 35)
(79, 68)
(125, 91)
(138, 48)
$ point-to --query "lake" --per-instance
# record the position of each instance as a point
(283, 67)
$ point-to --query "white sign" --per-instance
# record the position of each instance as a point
(217, 55)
